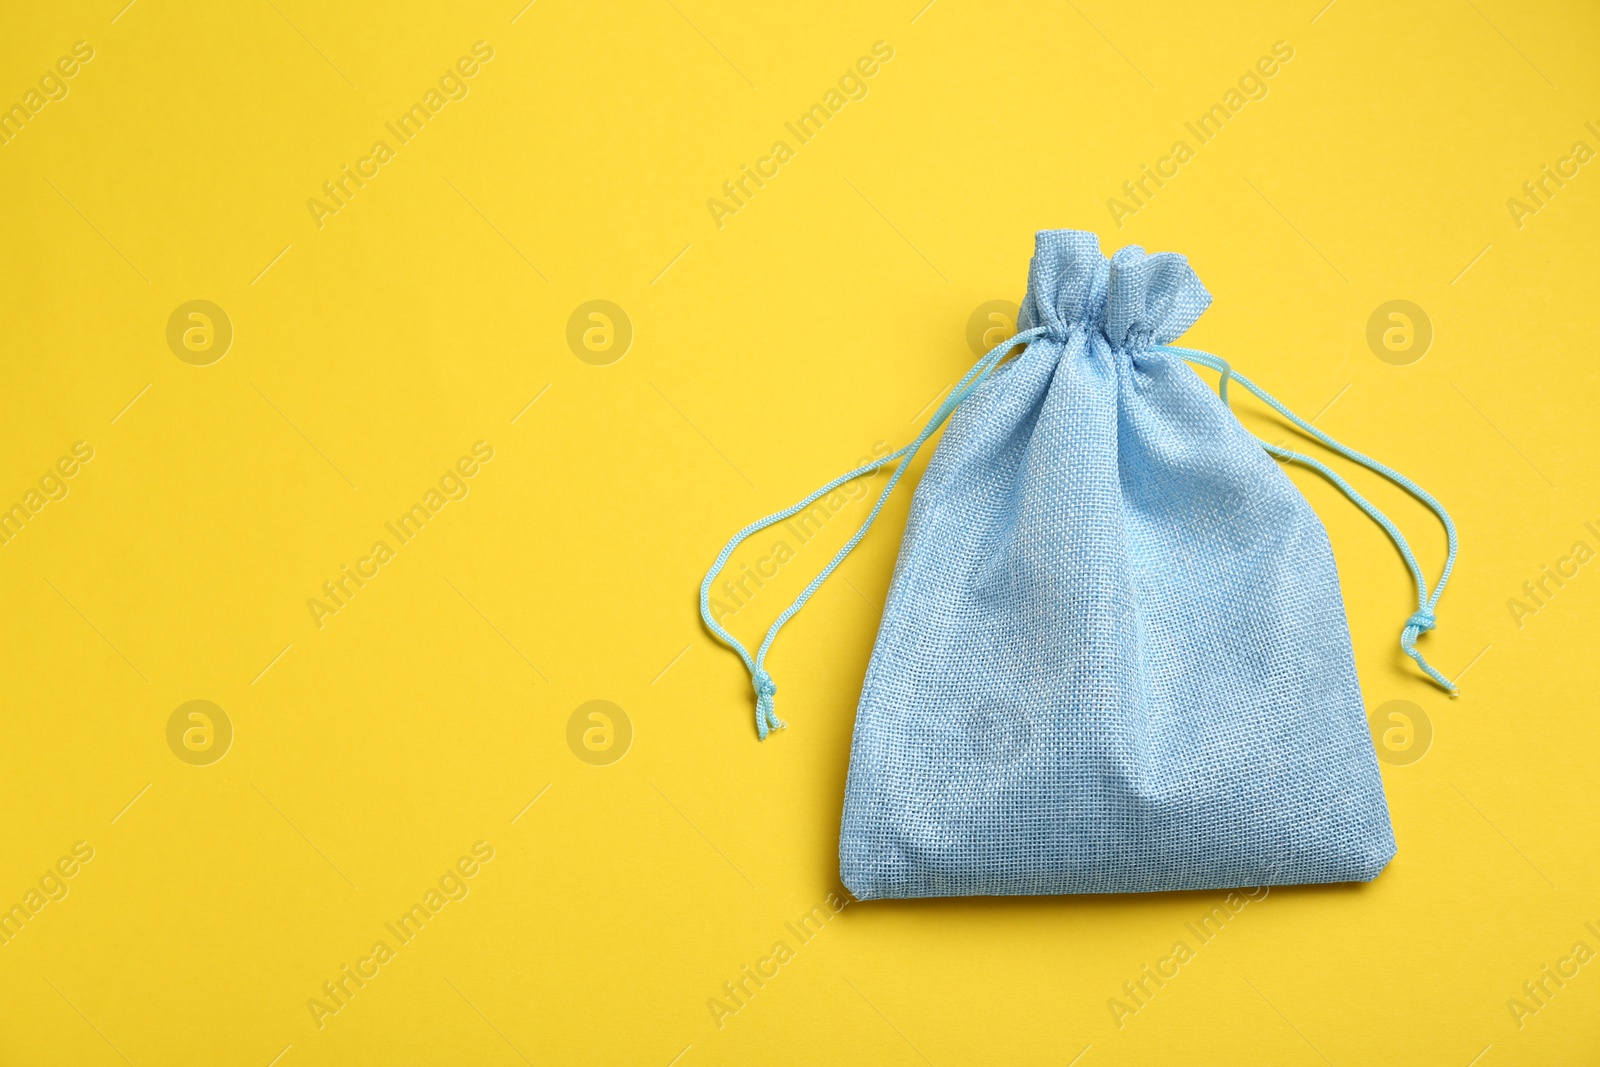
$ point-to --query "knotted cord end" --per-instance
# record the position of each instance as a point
(766, 718)
(1421, 621)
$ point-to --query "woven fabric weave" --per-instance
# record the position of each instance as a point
(1115, 656)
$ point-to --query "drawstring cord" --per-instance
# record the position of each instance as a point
(766, 718)
(765, 688)
(1423, 618)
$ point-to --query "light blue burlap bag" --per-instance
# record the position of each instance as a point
(1114, 656)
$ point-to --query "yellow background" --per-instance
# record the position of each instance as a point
(768, 354)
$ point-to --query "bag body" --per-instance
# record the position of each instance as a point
(1114, 656)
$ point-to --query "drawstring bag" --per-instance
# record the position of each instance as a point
(1114, 656)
